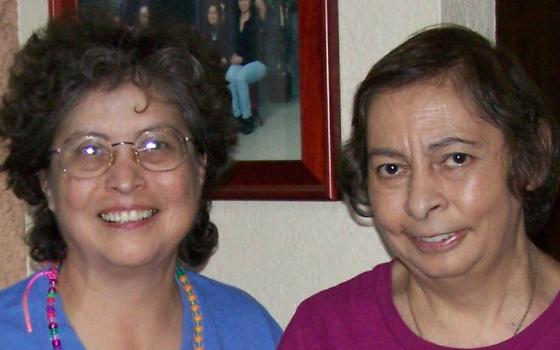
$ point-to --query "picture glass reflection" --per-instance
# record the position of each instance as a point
(258, 43)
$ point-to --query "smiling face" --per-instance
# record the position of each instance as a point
(128, 216)
(244, 6)
(213, 15)
(437, 181)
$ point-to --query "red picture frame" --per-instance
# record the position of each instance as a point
(312, 177)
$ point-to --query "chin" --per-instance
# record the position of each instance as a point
(439, 267)
(131, 257)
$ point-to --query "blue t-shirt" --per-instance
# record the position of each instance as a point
(232, 319)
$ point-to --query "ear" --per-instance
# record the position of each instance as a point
(540, 170)
(46, 188)
(201, 170)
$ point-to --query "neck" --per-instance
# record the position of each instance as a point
(138, 286)
(245, 16)
(120, 297)
(117, 281)
(494, 298)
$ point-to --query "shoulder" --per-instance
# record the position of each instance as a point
(341, 314)
(354, 292)
(219, 293)
(236, 313)
(12, 322)
(10, 300)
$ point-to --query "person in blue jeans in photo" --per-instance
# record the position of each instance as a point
(245, 66)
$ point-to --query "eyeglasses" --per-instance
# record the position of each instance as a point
(88, 156)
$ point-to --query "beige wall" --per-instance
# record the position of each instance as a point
(12, 255)
(281, 252)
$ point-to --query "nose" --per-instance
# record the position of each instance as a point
(125, 174)
(424, 195)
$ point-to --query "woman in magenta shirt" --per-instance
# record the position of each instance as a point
(455, 156)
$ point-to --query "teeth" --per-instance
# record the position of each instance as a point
(128, 216)
(436, 238)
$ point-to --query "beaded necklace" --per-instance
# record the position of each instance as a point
(54, 334)
(196, 315)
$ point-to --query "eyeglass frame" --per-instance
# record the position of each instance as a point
(58, 151)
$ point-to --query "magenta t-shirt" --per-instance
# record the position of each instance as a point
(360, 314)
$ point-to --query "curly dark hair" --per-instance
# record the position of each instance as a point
(493, 80)
(70, 57)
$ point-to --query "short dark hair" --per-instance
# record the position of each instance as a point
(62, 63)
(502, 94)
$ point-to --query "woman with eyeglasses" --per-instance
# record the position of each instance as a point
(117, 138)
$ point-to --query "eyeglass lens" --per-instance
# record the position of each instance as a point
(91, 155)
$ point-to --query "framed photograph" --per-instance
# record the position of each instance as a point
(288, 152)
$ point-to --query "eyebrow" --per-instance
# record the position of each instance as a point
(448, 141)
(156, 126)
(387, 152)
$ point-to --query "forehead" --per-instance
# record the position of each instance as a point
(425, 113)
(120, 112)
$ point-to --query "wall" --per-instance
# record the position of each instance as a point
(476, 14)
(33, 14)
(12, 258)
(282, 252)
